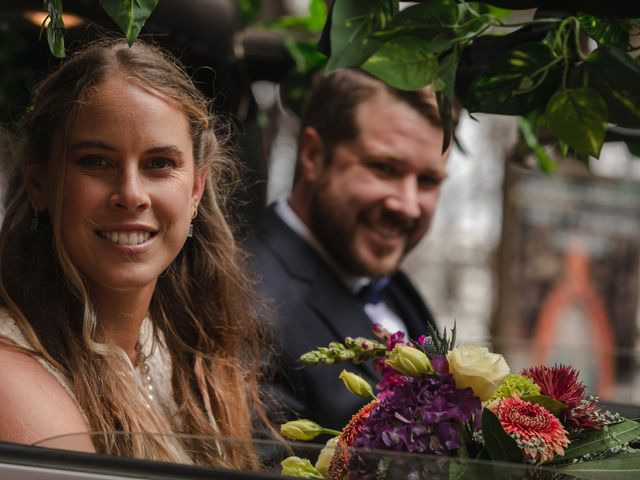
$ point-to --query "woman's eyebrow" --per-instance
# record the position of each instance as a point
(91, 144)
(161, 149)
(167, 150)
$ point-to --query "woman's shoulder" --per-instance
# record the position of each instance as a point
(36, 403)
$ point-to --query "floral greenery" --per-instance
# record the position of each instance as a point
(465, 404)
(543, 72)
(552, 80)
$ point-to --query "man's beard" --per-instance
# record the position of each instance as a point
(336, 232)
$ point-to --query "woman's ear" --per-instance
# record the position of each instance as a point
(199, 183)
(35, 185)
(311, 156)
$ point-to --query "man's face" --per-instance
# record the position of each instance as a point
(374, 200)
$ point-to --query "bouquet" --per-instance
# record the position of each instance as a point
(464, 402)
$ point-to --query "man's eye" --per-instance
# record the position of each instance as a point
(384, 168)
(160, 163)
(428, 181)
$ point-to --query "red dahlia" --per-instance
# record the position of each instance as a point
(561, 383)
(537, 432)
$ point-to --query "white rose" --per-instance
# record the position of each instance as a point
(477, 368)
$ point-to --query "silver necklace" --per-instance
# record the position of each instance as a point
(147, 381)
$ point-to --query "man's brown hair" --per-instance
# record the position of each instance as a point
(334, 99)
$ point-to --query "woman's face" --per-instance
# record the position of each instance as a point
(130, 189)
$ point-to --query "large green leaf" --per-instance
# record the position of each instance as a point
(618, 466)
(433, 21)
(501, 447)
(352, 25)
(518, 82)
(606, 32)
(129, 15)
(403, 63)
(616, 77)
(578, 117)
(600, 440)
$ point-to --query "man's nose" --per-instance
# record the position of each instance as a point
(129, 191)
(405, 199)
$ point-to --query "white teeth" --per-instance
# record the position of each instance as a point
(126, 238)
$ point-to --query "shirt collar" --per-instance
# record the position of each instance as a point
(293, 221)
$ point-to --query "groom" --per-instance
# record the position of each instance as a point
(370, 167)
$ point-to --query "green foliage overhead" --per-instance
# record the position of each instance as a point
(550, 76)
(575, 93)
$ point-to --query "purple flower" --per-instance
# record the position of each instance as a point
(422, 415)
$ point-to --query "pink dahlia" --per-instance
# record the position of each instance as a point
(561, 383)
(537, 432)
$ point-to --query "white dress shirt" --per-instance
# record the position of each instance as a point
(377, 313)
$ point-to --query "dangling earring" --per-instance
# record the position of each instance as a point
(34, 219)
(195, 214)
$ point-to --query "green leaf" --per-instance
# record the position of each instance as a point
(544, 161)
(634, 148)
(55, 38)
(305, 55)
(518, 82)
(501, 447)
(616, 76)
(618, 466)
(444, 109)
(550, 404)
(249, 11)
(55, 27)
(403, 63)
(432, 21)
(578, 117)
(444, 86)
(352, 25)
(606, 31)
(600, 440)
(129, 15)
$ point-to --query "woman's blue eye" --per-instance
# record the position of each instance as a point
(160, 163)
(93, 161)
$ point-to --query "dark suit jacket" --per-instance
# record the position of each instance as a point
(313, 307)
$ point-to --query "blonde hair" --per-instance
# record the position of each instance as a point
(203, 305)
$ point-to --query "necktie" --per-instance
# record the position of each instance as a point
(371, 293)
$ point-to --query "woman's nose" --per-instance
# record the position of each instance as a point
(129, 191)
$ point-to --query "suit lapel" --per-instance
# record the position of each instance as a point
(326, 293)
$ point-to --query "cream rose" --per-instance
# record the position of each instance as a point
(477, 368)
